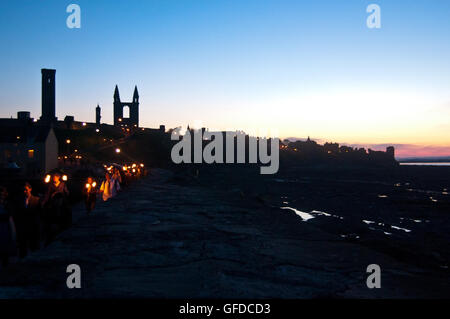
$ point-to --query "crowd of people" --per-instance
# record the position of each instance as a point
(28, 221)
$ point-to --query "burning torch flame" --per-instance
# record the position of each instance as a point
(91, 185)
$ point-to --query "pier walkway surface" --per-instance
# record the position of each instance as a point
(160, 239)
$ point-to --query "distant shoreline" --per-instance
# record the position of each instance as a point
(425, 163)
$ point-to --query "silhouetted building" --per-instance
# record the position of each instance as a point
(390, 151)
(30, 147)
(331, 148)
(23, 115)
(133, 119)
(311, 152)
(68, 121)
(48, 96)
(98, 115)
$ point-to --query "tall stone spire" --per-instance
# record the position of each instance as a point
(116, 94)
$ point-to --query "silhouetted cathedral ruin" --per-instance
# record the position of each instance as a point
(133, 119)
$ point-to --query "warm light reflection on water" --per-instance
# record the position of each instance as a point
(304, 216)
(400, 228)
(310, 215)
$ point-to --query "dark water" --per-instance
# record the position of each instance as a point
(427, 164)
(376, 209)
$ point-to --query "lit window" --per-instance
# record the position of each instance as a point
(30, 153)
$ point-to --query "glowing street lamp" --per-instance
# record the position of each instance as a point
(68, 141)
(117, 150)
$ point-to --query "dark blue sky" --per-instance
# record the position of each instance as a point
(298, 68)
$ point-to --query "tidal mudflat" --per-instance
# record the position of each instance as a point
(176, 235)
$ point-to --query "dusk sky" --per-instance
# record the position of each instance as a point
(299, 69)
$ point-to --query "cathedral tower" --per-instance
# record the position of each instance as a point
(48, 96)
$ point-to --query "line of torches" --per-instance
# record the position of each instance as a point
(48, 178)
(133, 167)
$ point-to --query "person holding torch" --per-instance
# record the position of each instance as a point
(56, 205)
(90, 194)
